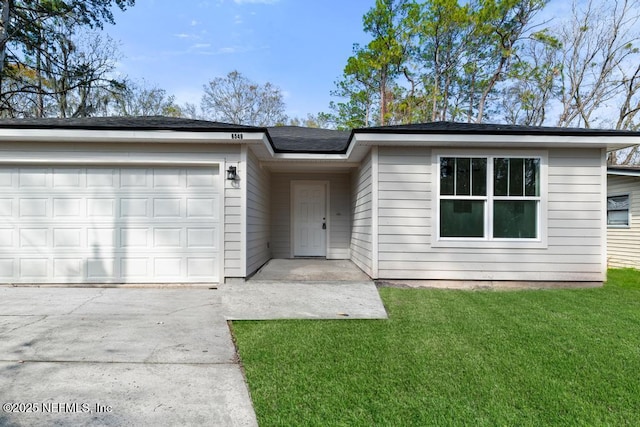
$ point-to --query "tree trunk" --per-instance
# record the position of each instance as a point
(7, 6)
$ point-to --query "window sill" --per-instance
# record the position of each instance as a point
(488, 244)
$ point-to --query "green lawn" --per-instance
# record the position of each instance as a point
(550, 357)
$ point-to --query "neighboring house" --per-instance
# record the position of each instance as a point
(178, 201)
(623, 215)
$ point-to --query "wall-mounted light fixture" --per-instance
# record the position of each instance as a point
(231, 173)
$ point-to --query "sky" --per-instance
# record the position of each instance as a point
(300, 46)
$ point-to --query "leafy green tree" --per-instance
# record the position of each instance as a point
(369, 75)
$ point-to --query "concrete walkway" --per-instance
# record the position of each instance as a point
(145, 357)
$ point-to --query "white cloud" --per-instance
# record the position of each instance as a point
(237, 20)
(183, 36)
(194, 23)
(201, 46)
(255, 1)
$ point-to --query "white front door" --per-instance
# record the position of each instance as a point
(309, 220)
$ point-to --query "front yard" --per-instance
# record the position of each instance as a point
(550, 357)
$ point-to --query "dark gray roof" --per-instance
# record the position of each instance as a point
(296, 139)
(125, 123)
(489, 129)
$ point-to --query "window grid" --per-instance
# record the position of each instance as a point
(490, 196)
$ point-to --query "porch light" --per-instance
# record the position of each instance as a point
(231, 173)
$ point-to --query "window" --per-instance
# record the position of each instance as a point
(489, 197)
(463, 194)
(618, 211)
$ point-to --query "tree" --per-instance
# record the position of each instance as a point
(498, 28)
(444, 34)
(370, 73)
(235, 99)
(599, 60)
(439, 60)
(142, 99)
(35, 42)
(320, 121)
(533, 81)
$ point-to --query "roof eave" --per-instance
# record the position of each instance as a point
(231, 135)
(623, 171)
(610, 142)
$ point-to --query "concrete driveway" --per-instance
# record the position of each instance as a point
(117, 357)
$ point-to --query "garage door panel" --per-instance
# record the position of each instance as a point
(101, 238)
(6, 208)
(136, 269)
(33, 207)
(65, 238)
(134, 208)
(103, 269)
(32, 178)
(6, 237)
(167, 238)
(6, 178)
(134, 238)
(107, 225)
(201, 267)
(167, 208)
(66, 207)
(34, 268)
(201, 178)
(133, 178)
(65, 269)
(67, 178)
(6, 269)
(203, 238)
(169, 179)
(34, 238)
(101, 207)
(101, 178)
(203, 208)
(168, 268)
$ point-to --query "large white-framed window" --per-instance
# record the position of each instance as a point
(618, 211)
(490, 199)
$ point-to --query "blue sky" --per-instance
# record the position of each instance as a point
(301, 46)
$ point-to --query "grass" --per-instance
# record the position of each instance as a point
(551, 357)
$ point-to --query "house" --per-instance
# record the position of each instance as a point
(164, 200)
(623, 213)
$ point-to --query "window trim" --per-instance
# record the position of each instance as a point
(619, 226)
(489, 241)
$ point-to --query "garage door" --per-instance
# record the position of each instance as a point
(109, 225)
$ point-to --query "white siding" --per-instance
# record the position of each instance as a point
(573, 252)
(258, 214)
(339, 215)
(361, 208)
(623, 244)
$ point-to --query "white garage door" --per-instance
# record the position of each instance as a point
(109, 225)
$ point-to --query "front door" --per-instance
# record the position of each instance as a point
(309, 220)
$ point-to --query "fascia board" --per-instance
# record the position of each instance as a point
(310, 156)
(623, 173)
(156, 136)
(511, 141)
